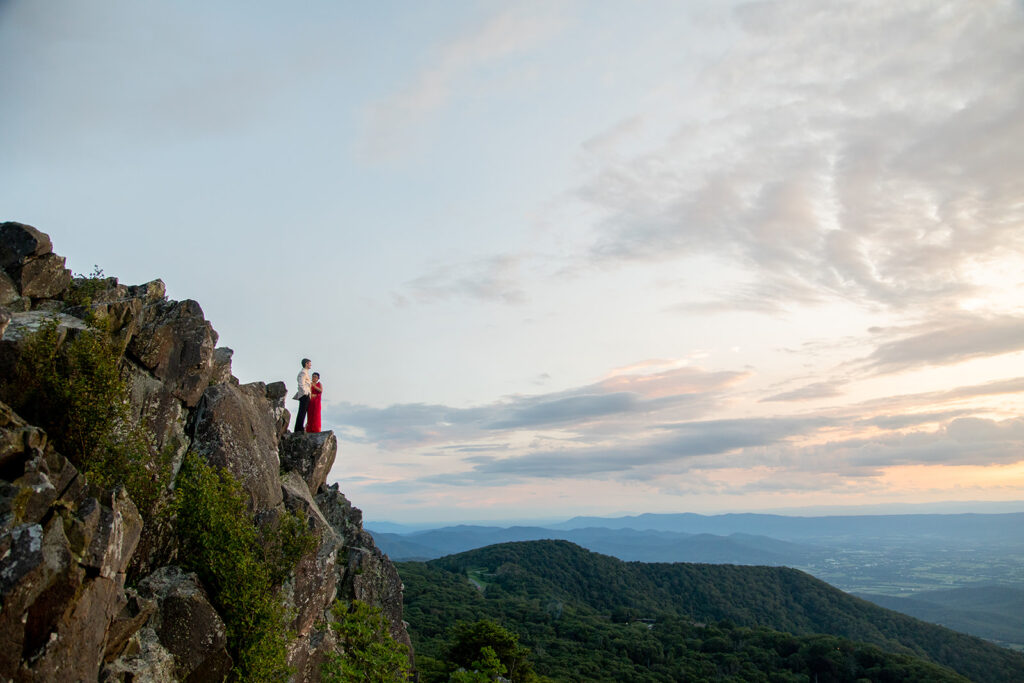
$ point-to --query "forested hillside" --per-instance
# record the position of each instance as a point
(587, 616)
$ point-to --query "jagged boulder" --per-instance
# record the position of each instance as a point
(43, 277)
(26, 256)
(311, 455)
(344, 518)
(20, 242)
(187, 625)
(222, 365)
(276, 393)
(234, 428)
(175, 343)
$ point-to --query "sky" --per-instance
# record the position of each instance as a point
(565, 257)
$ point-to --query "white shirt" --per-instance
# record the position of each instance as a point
(305, 382)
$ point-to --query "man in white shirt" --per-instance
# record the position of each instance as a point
(302, 394)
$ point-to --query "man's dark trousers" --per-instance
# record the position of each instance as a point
(300, 419)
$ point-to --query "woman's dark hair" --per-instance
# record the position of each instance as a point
(316, 374)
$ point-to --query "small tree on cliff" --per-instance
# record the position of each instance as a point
(370, 655)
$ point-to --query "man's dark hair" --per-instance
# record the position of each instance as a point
(305, 360)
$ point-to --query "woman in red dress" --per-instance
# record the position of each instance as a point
(313, 414)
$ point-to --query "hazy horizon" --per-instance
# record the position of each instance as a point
(947, 507)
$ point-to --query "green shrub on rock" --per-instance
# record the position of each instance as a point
(72, 388)
(222, 544)
(370, 655)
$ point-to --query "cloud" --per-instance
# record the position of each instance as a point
(687, 392)
(895, 422)
(492, 280)
(865, 166)
(973, 430)
(810, 392)
(912, 402)
(952, 341)
(963, 441)
(678, 445)
(672, 382)
(774, 450)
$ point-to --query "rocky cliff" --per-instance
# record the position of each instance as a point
(88, 589)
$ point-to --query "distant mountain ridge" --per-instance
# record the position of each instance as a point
(732, 538)
(625, 544)
(971, 526)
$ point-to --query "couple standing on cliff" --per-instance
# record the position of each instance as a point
(308, 395)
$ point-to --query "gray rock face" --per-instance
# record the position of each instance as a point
(175, 343)
(221, 365)
(234, 429)
(307, 655)
(25, 323)
(8, 290)
(55, 616)
(309, 455)
(153, 405)
(187, 625)
(42, 277)
(144, 660)
(276, 392)
(19, 441)
(132, 617)
(62, 560)
(113, 530)
(19, 242)
(368, 574)
(314, 584)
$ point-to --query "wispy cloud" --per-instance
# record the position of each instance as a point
(494, 279)
(816, 390)
(687, 392)
(953, 340)
(830, 175)
(514, 30)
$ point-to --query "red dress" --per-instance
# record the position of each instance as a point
(313, 414)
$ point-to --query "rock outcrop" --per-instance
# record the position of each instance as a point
(67, 546)
(310, 455)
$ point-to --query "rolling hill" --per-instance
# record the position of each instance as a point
(571, 605)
